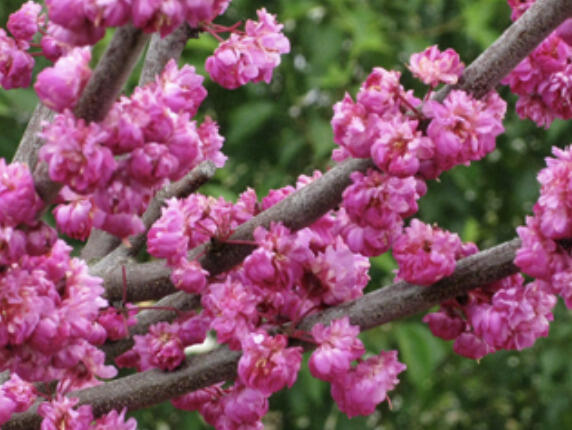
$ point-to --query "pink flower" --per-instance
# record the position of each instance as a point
(355, 128)
(278, 262)
(15, 64)
(380, 200)
(400, 147)
(108, 13)
(342, 274)
(211, 142)
(251, 57)
(445, 324)
(425, 254)
(362, 388)
(114, 421)
(157, 15)
(338, 346)
(189, 276)
(181, 90)
(75, 155)
(23, 24)
(203, 10)
(244, 406)
(117, 322)
(23, 394)
(60, 87)
(463, 129)
(266, 364)
(433, 66)
(160, 348)
(166, 238)
(19, 202)
(60, 413)
(382, 94)
(75, 219)
(232, 307)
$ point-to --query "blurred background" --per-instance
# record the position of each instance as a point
(276, 132)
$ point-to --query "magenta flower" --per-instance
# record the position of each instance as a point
(59, 87)
(19, 202)
(75, 155)
(267, 364)
(114, 421)
(232, 307)
(433, 66)
(251, 57)
(157, 15)
(181, 90)
(399, 148)
(61, 413)
(363, 387)
(338, 346)
(75, 219)
(23, 24)
(463, 129)
(189, 276)
(166, 238)
(203, 10)
(15, 64)
(425, 254)
(382, 94)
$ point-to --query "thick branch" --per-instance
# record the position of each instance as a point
(378, 307)
(101, 91)
(160, 51)
(182, 188)
(30, 144)
(519, 40)
(297, 211)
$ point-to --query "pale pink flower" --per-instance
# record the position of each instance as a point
(433, 66)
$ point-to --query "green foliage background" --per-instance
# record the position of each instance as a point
(276, 132)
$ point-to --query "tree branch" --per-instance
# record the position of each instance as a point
(101, 91)
(160, 51)
(517, 41)
(395, 301)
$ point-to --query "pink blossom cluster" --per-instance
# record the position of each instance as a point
(16, 63)
(426, 254)
(502, 315)
(152, 135)
(163, 347)
(16, 395)
(84, 22)
(49, 304)
(384, 122)
(62, 413)
(545, 250)
(235, 408)
(357, 390)
(249, 57)
(543, 80)
(373, 210)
